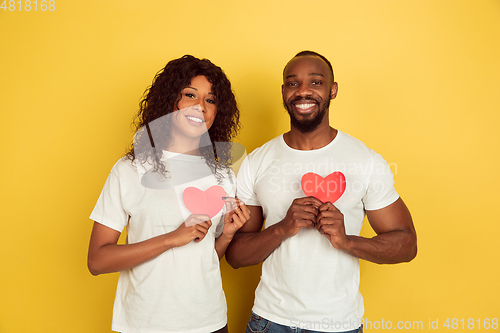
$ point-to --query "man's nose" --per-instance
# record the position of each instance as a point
(304, 90)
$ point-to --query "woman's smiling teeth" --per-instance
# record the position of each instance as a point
(195, 119)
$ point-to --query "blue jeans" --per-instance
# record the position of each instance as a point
(257, 324)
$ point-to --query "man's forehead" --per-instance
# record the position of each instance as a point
(312, 65)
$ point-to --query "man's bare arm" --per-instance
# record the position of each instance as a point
(396, 239)
(251, 246)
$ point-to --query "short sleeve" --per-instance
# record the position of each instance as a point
(245, 184)
(381, 192)
(109, 209)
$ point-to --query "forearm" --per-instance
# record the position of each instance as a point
(251, 248)
(221, 244)
(387, 248)
(111, 258)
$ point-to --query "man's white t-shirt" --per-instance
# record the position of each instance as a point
(180, 290)
(306, 282)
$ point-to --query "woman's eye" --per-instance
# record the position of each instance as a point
(189, 95)
(211, 101)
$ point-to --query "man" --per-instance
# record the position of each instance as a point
(310, 247)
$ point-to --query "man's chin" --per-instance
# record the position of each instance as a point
(305, 126)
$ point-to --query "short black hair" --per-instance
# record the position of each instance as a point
(316, 54)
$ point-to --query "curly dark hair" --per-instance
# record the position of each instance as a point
(162, 97)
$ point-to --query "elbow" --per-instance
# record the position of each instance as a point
(413, 252)
(93, 267)
(231, 260)
(233, 264)
(412, 247)
(232, 257)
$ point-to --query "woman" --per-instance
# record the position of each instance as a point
(163, 192)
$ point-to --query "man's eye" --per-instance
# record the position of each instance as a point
(316, 83)
(292, 84)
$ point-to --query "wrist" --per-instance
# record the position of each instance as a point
(226, 237)
(169, 241)
(279, 231)
(349, 244)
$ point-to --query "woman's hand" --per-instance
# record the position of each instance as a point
(237, 213)
(194, 228)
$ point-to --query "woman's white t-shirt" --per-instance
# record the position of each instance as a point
(180, 290)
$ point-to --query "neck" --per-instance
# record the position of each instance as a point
(189, 147)
(319, 138)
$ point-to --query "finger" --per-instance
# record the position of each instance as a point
(237, 221)
(329, 215)
(242, 214)
(308, 224)
(244, 209)
(324, 222)
(205, 225)
(307, 216)
(310, 209)
(233, 202)
(198, 235)
(310, 201)
(328, 230)
(231, 205)
(328, 206)
(196, 219)
(200, 217)
(306, 209)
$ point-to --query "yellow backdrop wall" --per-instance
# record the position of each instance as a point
(418, 82)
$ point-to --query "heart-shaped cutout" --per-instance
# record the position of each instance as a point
(325, 189)
(207, 202)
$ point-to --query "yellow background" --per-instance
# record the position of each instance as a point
(418, 83)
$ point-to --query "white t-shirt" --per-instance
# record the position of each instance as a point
(180, 290)
(306, 282)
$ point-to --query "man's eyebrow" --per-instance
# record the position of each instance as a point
(310, 74)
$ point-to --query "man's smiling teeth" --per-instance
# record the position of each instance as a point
(304, 106)
(195, 119)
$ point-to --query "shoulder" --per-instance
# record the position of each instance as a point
(356, 147)
(267, 149)
(124, 167)
(124, 163)
(352, 143)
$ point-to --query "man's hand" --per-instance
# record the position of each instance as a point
(301, 214)
(330, 222)
(396, 239)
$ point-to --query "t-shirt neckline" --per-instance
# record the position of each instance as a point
(329, 145)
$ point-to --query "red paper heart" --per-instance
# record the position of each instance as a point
(207, 202)
(325, 189)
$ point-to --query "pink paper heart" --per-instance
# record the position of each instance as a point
(325, 189)
(207, 202)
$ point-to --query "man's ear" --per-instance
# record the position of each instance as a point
(282, 88)
(333, 92)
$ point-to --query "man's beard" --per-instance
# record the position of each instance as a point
(308, 124)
